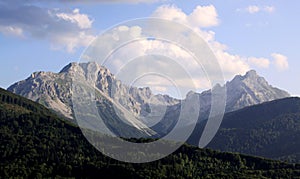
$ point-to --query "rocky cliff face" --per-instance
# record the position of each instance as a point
(54, 90)
(243, 91)
(250, 89)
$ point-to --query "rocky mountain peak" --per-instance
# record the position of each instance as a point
(70, 67)
(54, 90)
(251, 78)
(251, 74)
(250, 89)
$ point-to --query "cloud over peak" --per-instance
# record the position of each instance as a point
(280, 61)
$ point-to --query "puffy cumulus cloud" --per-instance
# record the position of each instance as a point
(280, 61)
(259, 62)
(146, 55)
(202, 16)
(64, 30)
(82, 20)
(206, 16)
(170, 12)
(231, 64)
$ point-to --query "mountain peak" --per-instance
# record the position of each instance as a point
(54, 90)
(250, 89)
(68, 67)
(74, 65)
(251, 73)
(250, 77)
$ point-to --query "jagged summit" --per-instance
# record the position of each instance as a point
(54, 90)
(250, 89)
(69, 67)
(251, 73)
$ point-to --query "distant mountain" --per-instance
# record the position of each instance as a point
(270, 129)
(36, 143)
(137, 106)
(250, 89)
(243, 91)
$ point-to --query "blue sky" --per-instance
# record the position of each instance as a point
(46, 35)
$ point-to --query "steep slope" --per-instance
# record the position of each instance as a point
(271, 129)
(135, 109)
(35, 143)
(243, 91)
(54, 90)
(250, 89)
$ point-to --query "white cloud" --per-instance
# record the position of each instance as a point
(78, 32)
(82, 20)
(231, 64)
(252, 9)
(170, 12)
(280, 61)
(259, 62)
(140, 56)
(202, 16)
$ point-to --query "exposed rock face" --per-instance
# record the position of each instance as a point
(243, 91)
(250, 89)
(54, 90)
(50, 89)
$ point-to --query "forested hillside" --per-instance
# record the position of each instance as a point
(271, 130)
(35, 143)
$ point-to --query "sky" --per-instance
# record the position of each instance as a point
(46, 35)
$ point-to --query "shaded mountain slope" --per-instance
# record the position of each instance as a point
(35, 143)
(271, 129)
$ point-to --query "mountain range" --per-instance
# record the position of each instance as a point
(54, 90)
(259, 119)
(36, 143)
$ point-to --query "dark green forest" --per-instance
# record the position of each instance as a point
(270, 130)
(36, 143)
